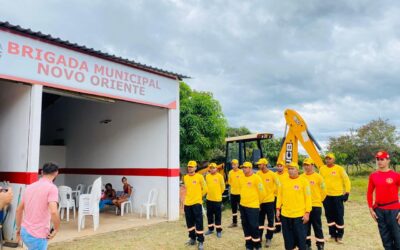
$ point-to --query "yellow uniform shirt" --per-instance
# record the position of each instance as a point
(281, 177)
(336, 179)
(233, 180)
(251, 191)
(196, 188)
(318, 189)
(216, 186)
(270, 182)
(294, 197)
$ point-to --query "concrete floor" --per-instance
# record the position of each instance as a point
(109, 222)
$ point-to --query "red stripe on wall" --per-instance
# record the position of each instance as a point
(163, 172)
(19, 177)
(30, 177)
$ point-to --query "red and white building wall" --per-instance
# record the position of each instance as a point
(140, 141)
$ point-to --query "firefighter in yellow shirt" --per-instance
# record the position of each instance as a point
(251, 194)
(196, 188)
(216, 186)
(293, 208)
(233, 180)
(282, 175)
(267, 207)
(318, 194)
(338, 189)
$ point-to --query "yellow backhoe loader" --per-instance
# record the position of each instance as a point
(296, 131)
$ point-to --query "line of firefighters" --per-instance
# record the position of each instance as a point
(291, 202)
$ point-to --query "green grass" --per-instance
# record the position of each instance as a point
(359, 186)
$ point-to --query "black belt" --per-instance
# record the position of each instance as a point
(386, 204)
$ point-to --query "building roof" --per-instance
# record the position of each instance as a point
(250, 137)
(81, 48)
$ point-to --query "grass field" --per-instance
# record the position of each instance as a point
(361, 232)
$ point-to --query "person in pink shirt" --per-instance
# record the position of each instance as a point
(37, 208)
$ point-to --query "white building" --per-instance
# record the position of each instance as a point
(92, 113)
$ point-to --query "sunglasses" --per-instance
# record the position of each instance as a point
(380, 159)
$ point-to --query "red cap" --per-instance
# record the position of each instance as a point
(382, 155)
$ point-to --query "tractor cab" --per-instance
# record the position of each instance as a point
(244, 148)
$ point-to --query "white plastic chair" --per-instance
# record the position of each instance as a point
(77, 192)
(151, 203)
(66, 201)
(126, 205)
(89, 189)
(89, 205)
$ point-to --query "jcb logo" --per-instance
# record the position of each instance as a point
(289, 153)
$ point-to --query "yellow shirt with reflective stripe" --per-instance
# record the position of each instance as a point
(336, 180)
(216, 186)
(318, 189)
(233, 180)
(271, 182)
(196, 188)
(294, 197)
(251, 191)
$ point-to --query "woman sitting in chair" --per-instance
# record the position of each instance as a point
(125, 196)
(108, 196)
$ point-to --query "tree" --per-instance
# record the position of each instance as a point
(202, 124)
(232, 132)
(360, 145)
(271, 149)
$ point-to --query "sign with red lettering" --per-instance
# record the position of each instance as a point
(28, 60)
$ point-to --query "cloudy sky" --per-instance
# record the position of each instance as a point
(336, 62)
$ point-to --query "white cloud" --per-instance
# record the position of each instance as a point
(336, 62)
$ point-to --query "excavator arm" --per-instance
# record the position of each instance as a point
(296, 131)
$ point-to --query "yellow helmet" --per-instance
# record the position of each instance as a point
(262, 161)
(234, 161)
(247, 164)
(192, 164)
(212, 165)
(280, 162)
(308, 161)
(330, 155)
(293, 165)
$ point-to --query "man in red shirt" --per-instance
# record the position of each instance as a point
(385, 207)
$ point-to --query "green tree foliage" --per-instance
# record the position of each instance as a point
(271, 149)
(360, 145)
(232, 132)
(202, 124)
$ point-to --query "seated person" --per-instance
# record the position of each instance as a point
(126, 195)
(108, 196)
(6, 196)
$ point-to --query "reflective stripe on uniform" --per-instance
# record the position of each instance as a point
(199, 232)
(191, 229)
(218, 226)
(247, 237)
(261, 227)
(256, 239)
(211, 225)
(339, 226)
(331, 224)
(270, 228)
(320, 240)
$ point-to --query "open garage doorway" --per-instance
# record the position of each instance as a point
(91, 137)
